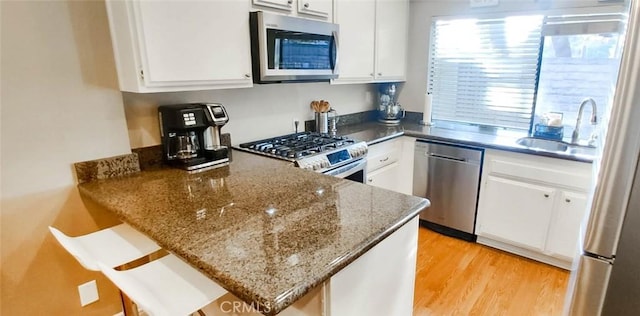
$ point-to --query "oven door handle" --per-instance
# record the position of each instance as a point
(348, 169)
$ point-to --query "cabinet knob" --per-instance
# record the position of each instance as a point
(370, 180)
(379, 74)
(371, 74)
(567, 200)
(546, 195)
(289, 2)
(247, 75)
(306, 5)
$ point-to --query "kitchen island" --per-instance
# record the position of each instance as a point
(269, 232)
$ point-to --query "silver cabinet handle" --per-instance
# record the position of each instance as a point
(247, 75)
(385, 159)
(306, 5)
(546, 195)
(379, 74)
(567, 200)
(289, 2)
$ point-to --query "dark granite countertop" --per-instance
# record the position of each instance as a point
(375, 132)
(264, 230)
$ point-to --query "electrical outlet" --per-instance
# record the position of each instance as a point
(88, 293)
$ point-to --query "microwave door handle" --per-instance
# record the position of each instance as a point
(336, 46)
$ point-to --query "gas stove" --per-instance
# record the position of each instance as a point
(313, 151)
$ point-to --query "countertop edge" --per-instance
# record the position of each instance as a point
(298, 292)
(523, 150)
(404, 129)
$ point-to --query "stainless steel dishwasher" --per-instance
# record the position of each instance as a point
(449, 176)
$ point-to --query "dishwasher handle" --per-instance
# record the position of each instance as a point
(446, 157)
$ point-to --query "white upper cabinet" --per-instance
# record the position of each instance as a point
(181, 45)
(356, 39)
(316, 9)
(373, 40)
(392, 33)
(286, 5)
(321, 8)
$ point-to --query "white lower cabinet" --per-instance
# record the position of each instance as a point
(570, 211)
(385, 177)
(533, 206)
(390, 165)
(380, 282)
(519, 212)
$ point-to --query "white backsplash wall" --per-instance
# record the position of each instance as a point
(254, 113)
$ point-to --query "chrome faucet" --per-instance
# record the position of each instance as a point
(594, 118)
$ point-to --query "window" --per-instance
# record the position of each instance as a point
(484, 71)
(580, 59)
(508, 72)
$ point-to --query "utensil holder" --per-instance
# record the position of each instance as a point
(322, 122)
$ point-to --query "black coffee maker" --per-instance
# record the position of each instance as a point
(191, 135)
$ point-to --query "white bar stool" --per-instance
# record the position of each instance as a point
(167, 286)
(112, 246)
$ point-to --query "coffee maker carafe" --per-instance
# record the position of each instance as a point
(191, 135)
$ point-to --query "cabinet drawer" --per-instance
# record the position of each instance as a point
(383, 154)
(557, 172)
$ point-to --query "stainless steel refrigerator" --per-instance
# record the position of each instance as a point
(606, 278)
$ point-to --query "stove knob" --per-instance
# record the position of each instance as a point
(325, 164)
(316, 165)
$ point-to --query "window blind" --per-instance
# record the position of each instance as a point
(484, 71)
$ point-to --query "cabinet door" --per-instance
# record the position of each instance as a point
(191, 42)
(515, 212)
(564, 232)
(321, 8)
(385, 177)
(381, 281)
(278, 4)
(357, 26)
(392, 33)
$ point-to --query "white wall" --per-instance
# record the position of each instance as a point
(423, 11)
(60, 105)
(255, 113)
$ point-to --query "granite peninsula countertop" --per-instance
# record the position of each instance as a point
(266, 231)
(375, 132)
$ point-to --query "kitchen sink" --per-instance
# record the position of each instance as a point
(544, 144)
(556, 146)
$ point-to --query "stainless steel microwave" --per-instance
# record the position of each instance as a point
(290, 49)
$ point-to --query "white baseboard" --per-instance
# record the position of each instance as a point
(563, 264)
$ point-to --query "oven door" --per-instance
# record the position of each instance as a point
(354, 171)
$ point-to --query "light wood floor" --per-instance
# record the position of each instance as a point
(455, 277)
